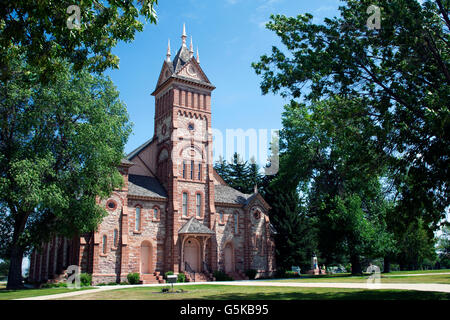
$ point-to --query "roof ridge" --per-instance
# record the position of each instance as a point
(138, 149)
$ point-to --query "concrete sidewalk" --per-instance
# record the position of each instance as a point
(391, 286)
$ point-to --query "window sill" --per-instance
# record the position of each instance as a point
(137, 232)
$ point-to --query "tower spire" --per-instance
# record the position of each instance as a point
(198, 57)
(168, 52)
(183, 36)
(191, 49)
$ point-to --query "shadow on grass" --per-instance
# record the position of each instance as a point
(356, 295)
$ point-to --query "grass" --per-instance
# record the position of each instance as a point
(393, 277)
(438, 278)
(418, 271)
(26, 293)
(222, 292)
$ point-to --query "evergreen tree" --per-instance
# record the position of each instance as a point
(295, 240)
(238, 174)
(222, 168)
(254, 175)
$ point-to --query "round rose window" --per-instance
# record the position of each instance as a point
(111, 205)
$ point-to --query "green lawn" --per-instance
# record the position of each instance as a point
(25, 293)
(438, 278)
(418, 271)
(218, 292)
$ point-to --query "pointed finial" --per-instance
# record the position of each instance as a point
(255, 190)
(198, 57)
(183, 36)
(191, 49)
(168, 52)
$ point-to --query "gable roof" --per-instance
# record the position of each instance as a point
(145, 186)
(194, 226)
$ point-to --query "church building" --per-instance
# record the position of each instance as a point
(174, 212)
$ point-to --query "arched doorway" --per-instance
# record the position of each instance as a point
(192, 254)
(146, 257)
(228, 257)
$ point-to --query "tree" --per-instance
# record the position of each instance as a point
(221, 167)
(398, 75)
(254, 176)
(328, 154)
(238, 173)
(47, 30)
(294, 237)
(416, 246)
(444, 247)
(60, 145)
(4, 267)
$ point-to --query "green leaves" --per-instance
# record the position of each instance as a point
(40, 29)
(61, 144)
(366, 104)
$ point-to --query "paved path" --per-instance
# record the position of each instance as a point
(395, 286)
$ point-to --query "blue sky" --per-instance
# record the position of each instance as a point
(230, 35)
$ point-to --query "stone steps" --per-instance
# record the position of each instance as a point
(149, 278)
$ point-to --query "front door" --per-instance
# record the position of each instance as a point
(228, 258)
(192, 254)
(146, 257)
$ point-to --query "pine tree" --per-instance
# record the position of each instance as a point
(255, 177)
(238, 174)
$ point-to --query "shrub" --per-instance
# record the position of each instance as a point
(291, 274)
(133, 278)
(251, 273)
(181, 277)
(85, 279)
(168, 273)
(124, 283)
(54, 285)
(164, 290)
(222, 276)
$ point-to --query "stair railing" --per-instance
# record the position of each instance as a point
(189, 270)
(206, 267)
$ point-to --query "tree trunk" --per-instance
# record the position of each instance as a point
(15, 269)
(356, 265)
(387, 265)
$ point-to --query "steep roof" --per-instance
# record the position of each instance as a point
(183, 55)
(133, 153)
(227, 194)
(194, 226)
(145, 186)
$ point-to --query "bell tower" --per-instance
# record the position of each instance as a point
(184, 143)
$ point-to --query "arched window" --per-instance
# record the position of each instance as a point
(236, 217)
(192, 169)
(199, 205)
(138, 218)
(104, 244)
(199, 171)
(185, 201)
(221, 217)
(155, 213)
(116, 237)
(184, 169)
